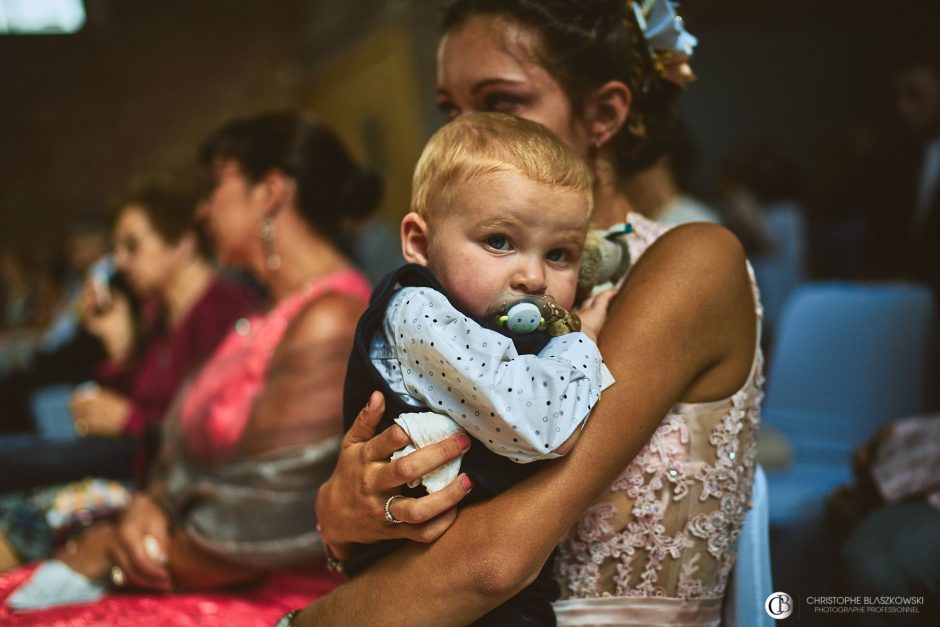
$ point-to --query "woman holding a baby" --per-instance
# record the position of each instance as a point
(647, 506)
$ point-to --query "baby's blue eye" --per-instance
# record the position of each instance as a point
(557, 255)
(498, 242)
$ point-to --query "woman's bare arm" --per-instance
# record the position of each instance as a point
(682, 328)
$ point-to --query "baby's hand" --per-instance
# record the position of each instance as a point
(593, 313)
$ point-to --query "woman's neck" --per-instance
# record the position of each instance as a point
(184, 288)
(611, 206)
(651, 190)
(304, 256)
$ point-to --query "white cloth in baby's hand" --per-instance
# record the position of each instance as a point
(426, 428)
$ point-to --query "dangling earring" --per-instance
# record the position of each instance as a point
(595, 149)
(272, 259)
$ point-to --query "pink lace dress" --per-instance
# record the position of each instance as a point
(658, 547)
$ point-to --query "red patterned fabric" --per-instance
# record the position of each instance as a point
(259, 606)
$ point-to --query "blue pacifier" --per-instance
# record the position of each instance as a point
(527, 314)
(523, 317)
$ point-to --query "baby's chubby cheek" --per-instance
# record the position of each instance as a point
(565, 292)
(564, 299)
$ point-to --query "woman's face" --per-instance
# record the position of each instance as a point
(488, 64)
(141, 254)
(232, 215)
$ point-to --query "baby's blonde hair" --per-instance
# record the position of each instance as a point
(474, 146)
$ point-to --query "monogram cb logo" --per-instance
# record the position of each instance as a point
(779, 605)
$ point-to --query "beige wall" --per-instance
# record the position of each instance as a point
(369, 95)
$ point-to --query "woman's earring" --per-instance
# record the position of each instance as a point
(272, 259)
(594, 149)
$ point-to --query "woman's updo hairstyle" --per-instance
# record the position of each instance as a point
(332, 189)
(585, 43)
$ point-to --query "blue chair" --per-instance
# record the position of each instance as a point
(751, 582)
(849, 358)
(52, 413)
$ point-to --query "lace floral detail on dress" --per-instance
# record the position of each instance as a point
(670, 523)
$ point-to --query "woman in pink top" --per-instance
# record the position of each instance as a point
(249, 441)
(262, 418)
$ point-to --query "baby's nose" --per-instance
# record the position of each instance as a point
(530, 278)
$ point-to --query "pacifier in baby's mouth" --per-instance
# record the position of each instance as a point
(522, 314)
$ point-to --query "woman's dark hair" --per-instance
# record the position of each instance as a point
(583, 44)
(332, 189)
(169, 199)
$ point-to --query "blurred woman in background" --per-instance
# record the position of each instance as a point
(188, 309)
(257, 431)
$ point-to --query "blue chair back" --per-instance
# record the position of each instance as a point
(52, 412)
(849, 358)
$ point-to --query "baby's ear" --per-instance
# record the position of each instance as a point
(414, 239)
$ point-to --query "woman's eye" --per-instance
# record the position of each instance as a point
(557, 255)
(498, 242)
(502, 103)
(447, 108)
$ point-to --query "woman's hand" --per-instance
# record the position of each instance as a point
(113, 324)
(88, 554)
(141, 545)
(351, 504)
(593, 313)
(99, 412)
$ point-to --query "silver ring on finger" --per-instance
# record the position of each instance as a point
(117, 576)
(388, 513)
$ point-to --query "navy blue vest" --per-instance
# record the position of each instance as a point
(490, 473)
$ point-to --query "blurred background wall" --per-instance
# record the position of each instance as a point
(143, 81)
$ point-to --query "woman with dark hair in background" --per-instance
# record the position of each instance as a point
(249, 441)
(649, 504)
(187, 310)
